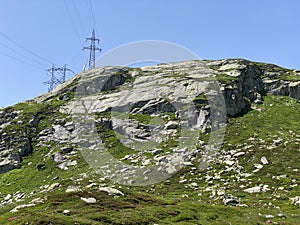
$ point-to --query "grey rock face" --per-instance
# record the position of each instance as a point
(294, 90)
(165, 93)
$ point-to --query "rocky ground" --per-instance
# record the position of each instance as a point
(196, 142)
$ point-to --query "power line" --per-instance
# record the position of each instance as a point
(72, 21)
(78, 16)
(92, 13)
(25, 49)
(13, 50)
(20, 60)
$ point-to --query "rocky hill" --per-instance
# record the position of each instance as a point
(196, 142)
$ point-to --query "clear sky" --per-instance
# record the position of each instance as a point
(36, 33)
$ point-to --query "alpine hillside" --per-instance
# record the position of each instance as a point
(196, 142)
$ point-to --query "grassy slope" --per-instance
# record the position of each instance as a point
(167, 203)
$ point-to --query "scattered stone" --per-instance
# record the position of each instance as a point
(89, 200)
(277, 142)
(37, 201)
(230, 200)
(171, 125)
(16, 209)
(256, 189)
(258, 166)
(183, 181)
(65, 165)
(55, 178)
(264, 160)
(238, 154)
(7, 197)
(91, 185)
(269, 216)
(157, 151)
(229, 162)
(246, 175)
(295, 200)
(72, 189)
(253, 189)
(58, 157)
(193, 184)
(111, 191)
(53, 186)
(221, 193)
(67, 212)
(146, 162)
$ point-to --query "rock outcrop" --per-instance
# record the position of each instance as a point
(153, 99)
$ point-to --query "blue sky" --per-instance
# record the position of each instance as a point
(55, 31)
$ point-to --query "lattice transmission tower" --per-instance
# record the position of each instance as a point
(56, 80)
(92, 48)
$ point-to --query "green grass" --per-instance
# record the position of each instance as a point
(226, 79)
(280, 72)
(289, 76)
(270, 67)
(141, 118)
(200, 100)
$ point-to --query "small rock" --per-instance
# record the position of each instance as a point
(67, 212)
(157, 151)
(91, 185)
(171, 125)
(295, 200)
(111, 191)
(55, 178)
(264, 160)
(277, 142)
(7, 197)
(53, 186)
(231, 201)
(229, 162)
(89, 200)
(253, 189)
(238, 154)
(64, 165)
(221, 193)
(58, 157)
(71, 189)
(16, 209)
(161, 158)
(146, 162)
(269, 216)
(183, 181)
(37, 201)
(194, 184)
(258, 166)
